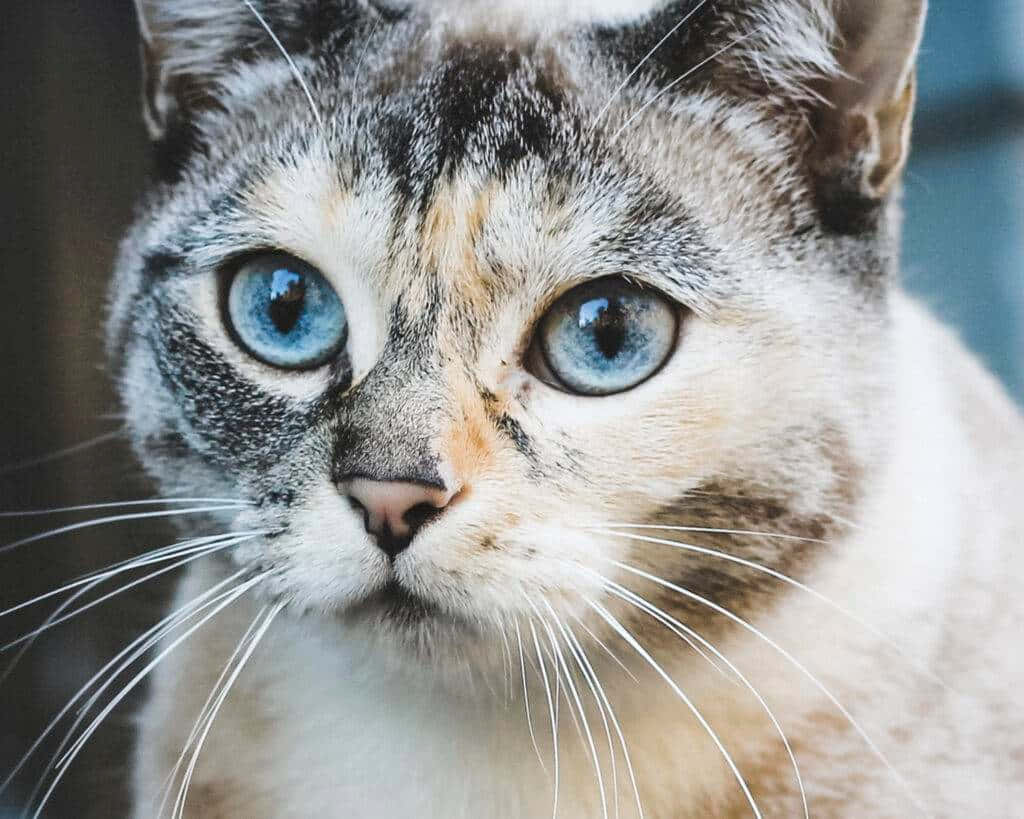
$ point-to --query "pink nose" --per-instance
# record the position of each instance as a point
(393, 511)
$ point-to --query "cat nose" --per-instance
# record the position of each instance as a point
(394, 511)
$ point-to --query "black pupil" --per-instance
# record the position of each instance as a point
(287, 298)
(606, 321)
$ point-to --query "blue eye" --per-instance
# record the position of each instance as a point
(607, 336)
(285, 313)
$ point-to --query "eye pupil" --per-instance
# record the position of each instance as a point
(607, 321)
(287, 298)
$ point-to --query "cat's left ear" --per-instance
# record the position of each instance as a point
(188, 46)
(863, 129)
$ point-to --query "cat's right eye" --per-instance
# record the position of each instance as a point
(283, 312)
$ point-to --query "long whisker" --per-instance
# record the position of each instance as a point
(730, 45)
(526, 699)
(551, 711)
(121, 589)
(845, 612)
(65, 763)
(74, 449)
(145, 559)
(506, 651)
(792, 661)
(643, 60)
(604, 646)
(204, 711)
(140, 645)
(87, 507)
(581, 656)
(88, 524)
(365, 48)
(64, 606)
(288, 58)
(607, 616)
(571, 685)
(597, 700)
(703, 529)
(671, 622)
(269, 614)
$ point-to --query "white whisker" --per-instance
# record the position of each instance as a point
(74, 449)
(597, 700)
(643, 60)
(795, 663)
(845, 612)
(581, 656)
(204, 711)
(673, 623)
(87, 507)
(506, 650)
(526, 700)
(139, 646)
(268, 614)
(64, 606)
(288, 58)
(121, 589)
(703, 529)
(65, 762)
(554, 719)
(571, 686)
(365, 48)
(629, 638)
(88, 524)
(604, 646)
(679, 79)
(145, 559)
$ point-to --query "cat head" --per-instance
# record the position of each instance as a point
(451, 293)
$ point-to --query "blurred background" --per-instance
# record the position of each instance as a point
(73, 161)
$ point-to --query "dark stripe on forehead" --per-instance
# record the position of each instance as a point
(486, 100)
(479, 103)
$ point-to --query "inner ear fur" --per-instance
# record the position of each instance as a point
(863, 126)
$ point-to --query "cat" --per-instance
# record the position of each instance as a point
(590, 459)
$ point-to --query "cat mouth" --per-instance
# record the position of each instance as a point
(396, 604)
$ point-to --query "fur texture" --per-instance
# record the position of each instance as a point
(451, 173)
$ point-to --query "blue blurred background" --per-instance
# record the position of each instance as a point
(964, 190)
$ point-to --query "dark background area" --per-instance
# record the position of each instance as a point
(74, 160)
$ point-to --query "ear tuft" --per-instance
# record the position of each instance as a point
(863, 129)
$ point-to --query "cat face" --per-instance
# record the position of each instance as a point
(467, 303)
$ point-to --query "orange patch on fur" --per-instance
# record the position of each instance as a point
(452, 228)
(469, 443)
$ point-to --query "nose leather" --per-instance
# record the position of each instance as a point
(387, 502)
(395, 510)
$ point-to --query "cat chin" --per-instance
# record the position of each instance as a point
(401, 625)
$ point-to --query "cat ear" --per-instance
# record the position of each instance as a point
(185, 45)
(863, 130)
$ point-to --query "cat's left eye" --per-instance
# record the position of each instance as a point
(285, 313)
(605, 336)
